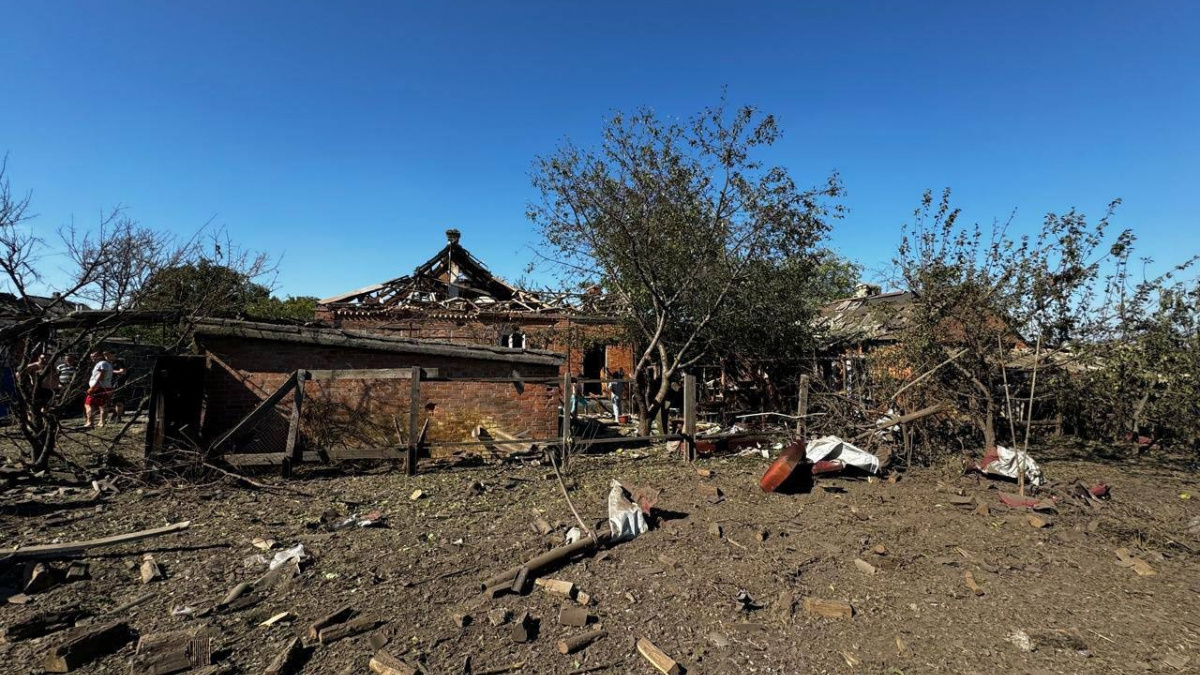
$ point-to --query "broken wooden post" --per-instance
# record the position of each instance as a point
(574, 644)
(294, 451)
(802, 408)
(83, 645)
(414, 411)
(573, 616)
(689, 417)
(568, 412)
(657, 658)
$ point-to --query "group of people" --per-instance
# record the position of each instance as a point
(614, 383)
(108, 375)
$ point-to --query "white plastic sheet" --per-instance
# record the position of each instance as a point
(832, 448)
(1009, 462)
(624, 517)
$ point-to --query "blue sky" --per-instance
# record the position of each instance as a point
(346, 136)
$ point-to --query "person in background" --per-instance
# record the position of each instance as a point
(42, 376)
(616, 388)
(120, 392)
(99, 393)
(66, 371)
(577, 398)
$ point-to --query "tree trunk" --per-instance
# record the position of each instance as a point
(989, 427)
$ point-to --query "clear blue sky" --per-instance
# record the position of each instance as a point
(346, 136)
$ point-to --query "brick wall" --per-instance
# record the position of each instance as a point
(366, 413)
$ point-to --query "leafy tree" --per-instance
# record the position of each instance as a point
(984, 298)
(677, 219)
(291, 308)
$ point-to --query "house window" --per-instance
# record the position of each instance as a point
(513, 340)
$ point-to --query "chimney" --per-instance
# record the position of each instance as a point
(865, 290)
(452, 236)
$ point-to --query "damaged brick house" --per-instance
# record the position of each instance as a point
(852, 328)
(453, 297)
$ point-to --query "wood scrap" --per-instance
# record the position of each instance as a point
(335, 617)
(348, 629)
(574, 644)
(830, 609)
(522, 630)
(290, 659)
(53, 550)
(43, 624)
(865, 567)
(657, 658)
(969, 579)
(83, 645)
(384, 663)
(573, 616)
(166, 653)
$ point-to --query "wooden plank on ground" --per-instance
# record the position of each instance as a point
(83, 645)
(49, 550)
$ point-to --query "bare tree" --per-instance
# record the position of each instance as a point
(114, 268)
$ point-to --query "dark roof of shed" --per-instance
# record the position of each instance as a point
(350, 339)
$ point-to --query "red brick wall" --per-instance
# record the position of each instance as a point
(541, 333)
(365, 413)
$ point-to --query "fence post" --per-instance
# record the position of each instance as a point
(566, 416)
(294, 452)
(802, 409)
(414, 411)
(689, 417)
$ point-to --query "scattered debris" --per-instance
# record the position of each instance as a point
(830, 609)
(522, 630)
(1001, 461)
(835, 455)
(563, 589)
(83, 645)
(574, 644)
(498, 616)
(290, 660)
(711, 493)
(573, 616)
(162, 653)
(1126, 559)
(150, 571)
(782, 475)
(384, 663)
(1034, 521)
(416, 494)
(657, 658)
(52, 550)
(969, 578)
(864, 566)
(1022, 640)
(276, 619)
(43, 624)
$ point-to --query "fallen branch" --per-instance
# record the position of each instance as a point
(50, 550)
(548, 558)
(254, 483)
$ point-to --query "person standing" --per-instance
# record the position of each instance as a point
(99, 393)
(120, 392)
(616, 389)
(42, 377)
(66, 371)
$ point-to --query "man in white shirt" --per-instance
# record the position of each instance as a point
(99, 393)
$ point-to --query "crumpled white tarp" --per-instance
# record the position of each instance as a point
(832, 448)
(624, 517)
(1009, 462)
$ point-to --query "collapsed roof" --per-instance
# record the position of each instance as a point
(455, 281)
(869, 316)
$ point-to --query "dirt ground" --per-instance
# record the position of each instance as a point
(1061, 586)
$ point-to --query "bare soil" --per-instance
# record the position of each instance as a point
(678, 585)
